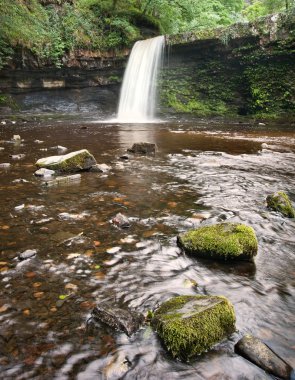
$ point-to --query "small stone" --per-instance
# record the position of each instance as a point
(121, 221)
(118, 318)
(16, 138)
(260, 354)
(43, 172)
(38, 141)
(5, 165)
(28, 254)
(113, 250)
(100, 168)
(20, 207)
(17, 156)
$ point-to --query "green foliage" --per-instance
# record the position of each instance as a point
(259, 8)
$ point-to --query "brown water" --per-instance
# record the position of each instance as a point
(202, 173)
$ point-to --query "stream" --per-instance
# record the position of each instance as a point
(203, 172)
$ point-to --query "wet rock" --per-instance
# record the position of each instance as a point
(43, 172)
(19, 207)
(16, 138)
(100, 168)
(224, 241)
(71, 162)
(121, 221)
(260, 354)
(5, 165)
(28, 254)
(142, 148)
(64, 180)
(120, 319)
(280, 202)
(17, 156)
(191, 325)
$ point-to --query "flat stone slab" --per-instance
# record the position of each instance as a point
(224, 241)
(191, 325)
(68, 163)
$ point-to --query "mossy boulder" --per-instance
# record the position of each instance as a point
(191, 325)
(224, 241)
(68, 163)
(280, 202)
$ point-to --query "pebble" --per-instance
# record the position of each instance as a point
(113, 250)
(20, 207)
(28, 254)
(17, 156)
(5, 165)
(43, 172)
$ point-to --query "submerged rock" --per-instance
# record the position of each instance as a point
(71, 162)
(190, 325)
(117, 318)
(64, 180)
(142, 148)
(121, 221)
(280, 202)
(260, 354)
(221, 241)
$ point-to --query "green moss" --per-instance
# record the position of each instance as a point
(221, 241)
(280, 202)
(190, 325)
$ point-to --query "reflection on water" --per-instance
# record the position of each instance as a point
(200, 175)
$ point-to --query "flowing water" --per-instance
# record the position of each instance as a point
(138, 93)
(202, 173)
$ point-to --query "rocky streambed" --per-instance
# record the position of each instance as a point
(64, 251)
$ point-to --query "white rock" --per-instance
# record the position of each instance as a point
(43, 172)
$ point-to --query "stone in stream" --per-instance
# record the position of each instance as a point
(100, 168)
(28, 254)
(68, 163)
(260, 354)
(65, 180)
(121, 221)
(120, 319)
(142, 148)
(191, 325)
(280, 202)
(43, 172)
(224, 241)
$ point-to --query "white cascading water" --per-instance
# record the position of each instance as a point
(138, 92)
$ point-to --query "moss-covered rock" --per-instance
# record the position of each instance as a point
(68, 163)
(190, 325)
(280, 202)
(221, 241)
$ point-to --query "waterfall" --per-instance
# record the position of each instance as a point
(138, 92)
